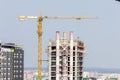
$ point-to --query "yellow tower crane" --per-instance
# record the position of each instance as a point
(40, 19)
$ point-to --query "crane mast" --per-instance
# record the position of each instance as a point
(39, 48)
(40, 19)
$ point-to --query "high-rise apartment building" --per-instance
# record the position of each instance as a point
(65, 58)
(11, 62)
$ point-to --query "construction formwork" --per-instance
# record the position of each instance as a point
(65, 58)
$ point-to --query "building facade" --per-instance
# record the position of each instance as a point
(11, 62)
(65, 58)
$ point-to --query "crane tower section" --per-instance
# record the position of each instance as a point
(65, 58)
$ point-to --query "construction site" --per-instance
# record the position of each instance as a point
(65, 58)
(59, 40)
(65, 55)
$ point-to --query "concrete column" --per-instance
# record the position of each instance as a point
(49, 54)
(71, 55)
(64, 57)
(57, 54)
(64, 68)
(64, 35)
(76, 61)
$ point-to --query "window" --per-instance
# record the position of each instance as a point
(68, 63)
(73, 63)
(73, 73)
(68, 58)
(73, 58)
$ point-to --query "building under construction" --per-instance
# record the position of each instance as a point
(65, 58)
(11, 62)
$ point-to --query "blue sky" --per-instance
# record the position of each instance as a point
(101, 36)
